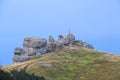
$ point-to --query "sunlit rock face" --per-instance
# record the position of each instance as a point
(33, 42)
(33, 45)
(66, 40)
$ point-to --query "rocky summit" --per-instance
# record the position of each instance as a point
(33, 46)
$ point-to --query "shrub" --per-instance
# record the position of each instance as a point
(18, 75)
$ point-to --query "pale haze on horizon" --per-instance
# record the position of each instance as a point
(94, 21)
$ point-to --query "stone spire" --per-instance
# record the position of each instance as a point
(51, 39)
(51, 43)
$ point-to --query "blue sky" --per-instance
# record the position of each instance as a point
(94, 21)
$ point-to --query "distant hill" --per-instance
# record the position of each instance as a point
(72, 63)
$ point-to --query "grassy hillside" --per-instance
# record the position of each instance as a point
(73, 63)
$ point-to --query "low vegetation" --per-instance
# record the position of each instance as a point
(73, 64)
(18, 75)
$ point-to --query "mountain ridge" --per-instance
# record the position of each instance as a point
(38, 46)
(73, 61)
(76, 63)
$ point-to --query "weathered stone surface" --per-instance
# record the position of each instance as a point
(51, 43)
(60, 41)
(19, 55)
(63, 41)
(51, 39)
(69, 39)
(60, 37)
(19, 51)
(34, 51)
(37, 46)
(34, 42)
(20, 58)
(33, 45)
(89, 46)
(83, 44)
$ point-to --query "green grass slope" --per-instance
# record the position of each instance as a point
(72, 64)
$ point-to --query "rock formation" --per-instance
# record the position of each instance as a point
(83, 44)
(69, 39)
(65, 41)
(51, 43)
(37, 46)
(19, 55)
(60, 41)
(33, 45)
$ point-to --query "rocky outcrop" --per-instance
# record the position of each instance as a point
(65, 41)
(83, 44)
(37, 46)
(60, 41)
(19, 51)
(19, 55)
(51, 39)
(69, 39)
(20, 58)
(33, 45)
(34, 42)
(51, 43)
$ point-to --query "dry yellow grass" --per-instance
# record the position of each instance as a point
(74, 63)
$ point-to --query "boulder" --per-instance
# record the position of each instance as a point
(20, 58)
(83, 44)
(69, 39)
(35, 51)
(19, 51)
(89, 46)
(34, 42)
(51, 39)
(37, 46)
(19, 55)
(51, 43)
(60, 41)
(60, 37)
(33, 45)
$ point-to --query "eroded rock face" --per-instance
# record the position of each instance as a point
(37, 46)
(60, 41)
(89, 46)
(63, 41)
(51, 43)
(33, 42)
(69, 39)
(83, 44)
(19, 51)
(20, 58)
(51, 39)
(33, 45)
(19, 55)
